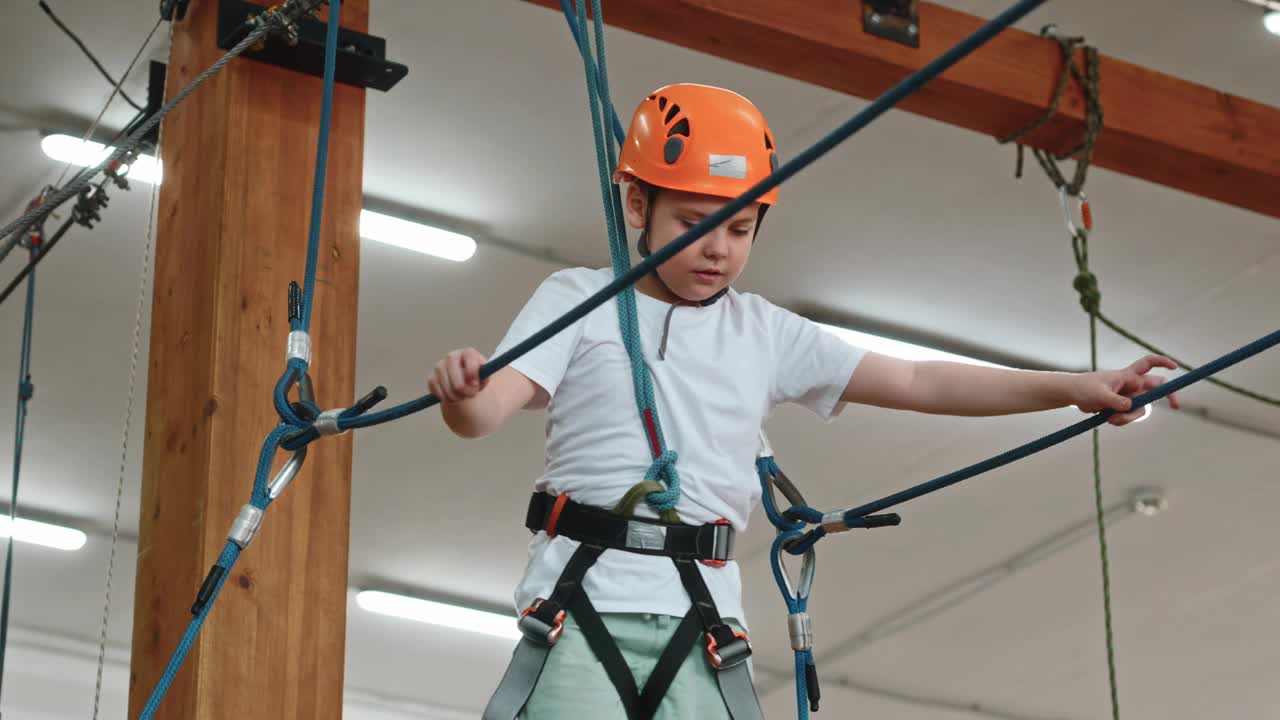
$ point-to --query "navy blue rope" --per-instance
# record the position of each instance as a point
(883, 104)
(322, 166)
(295, 369)
(566, 6)
(25, 391)
(230, 553)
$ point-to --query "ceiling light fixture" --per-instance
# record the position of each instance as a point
(39, 533)
(438, 613)
(898, 348)
(910, 351)
(86, 153)
(415, 236)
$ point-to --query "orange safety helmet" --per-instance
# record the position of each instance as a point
(700, 139)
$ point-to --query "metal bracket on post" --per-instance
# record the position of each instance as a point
(896, 20)
(362, 58)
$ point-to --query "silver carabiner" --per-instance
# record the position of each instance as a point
(1082, 204)
(287, 473)
(808, 568)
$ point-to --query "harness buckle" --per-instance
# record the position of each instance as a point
(722, 539)
(732, 653)
(538, 630)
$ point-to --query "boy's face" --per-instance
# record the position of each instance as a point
(711, 263)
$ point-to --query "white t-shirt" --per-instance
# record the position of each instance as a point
(725, 367)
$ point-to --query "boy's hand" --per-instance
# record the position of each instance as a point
(457, 376)
(1112, 389)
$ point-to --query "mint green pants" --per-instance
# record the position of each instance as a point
(574, 685)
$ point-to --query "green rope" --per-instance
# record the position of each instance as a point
(1086, 283)
(1100, 514)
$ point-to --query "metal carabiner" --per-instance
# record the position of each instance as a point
(1086, 214)
(287, 473)
(808, 567)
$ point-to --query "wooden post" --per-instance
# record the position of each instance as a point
(1158, 128)
(239, 158)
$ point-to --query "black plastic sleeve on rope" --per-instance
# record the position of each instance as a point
(811, 684)
(295, 302)
(871, 522)
(206, 589)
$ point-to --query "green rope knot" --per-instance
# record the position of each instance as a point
(1086, 283)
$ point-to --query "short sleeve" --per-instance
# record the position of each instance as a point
(546, 364)
(813, 366)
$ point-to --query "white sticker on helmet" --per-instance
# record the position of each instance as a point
(730, 166)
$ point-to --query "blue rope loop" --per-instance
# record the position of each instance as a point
(664, 468)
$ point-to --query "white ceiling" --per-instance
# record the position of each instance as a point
(912, 224)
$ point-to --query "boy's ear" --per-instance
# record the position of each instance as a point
(635, 206)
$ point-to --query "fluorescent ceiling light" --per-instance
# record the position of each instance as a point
(38, 533)
(1272, 21)
(897, 348)
(416, 237)
(437, 613)
(909, 351)
(86, 153)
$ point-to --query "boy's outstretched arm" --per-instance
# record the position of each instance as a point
(474, 409)
(948, 388)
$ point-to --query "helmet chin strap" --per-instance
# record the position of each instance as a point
(642, 244)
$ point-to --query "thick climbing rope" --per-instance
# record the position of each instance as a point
(295, 433)
(661, 485)
(250, 518)
(866, 116)
(25, 392)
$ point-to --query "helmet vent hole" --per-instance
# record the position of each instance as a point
(662, 103)
(680, 128)
(768, 142)
(672, 112)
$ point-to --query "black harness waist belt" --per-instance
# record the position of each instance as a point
(558, 515)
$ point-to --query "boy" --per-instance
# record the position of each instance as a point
(611, 630)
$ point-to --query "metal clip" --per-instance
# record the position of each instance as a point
(537, 630)
(327, 423)
(733, 653)
(299, 346)
(1082, 203)
(245, 526)
(833, 522)
(800, 627)
(808, 568)
(287, 473)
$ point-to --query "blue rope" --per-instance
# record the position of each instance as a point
(295, 370)
(25, 392)
(322, 165)
(883, 104)
(566, 6)
(796, 604)
(663, 467)
(230, 553)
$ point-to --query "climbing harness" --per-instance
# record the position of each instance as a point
(598, 530)
(303, 422)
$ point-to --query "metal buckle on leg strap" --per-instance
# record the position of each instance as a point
(730, 654)
(722, 539)
(537, 629)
